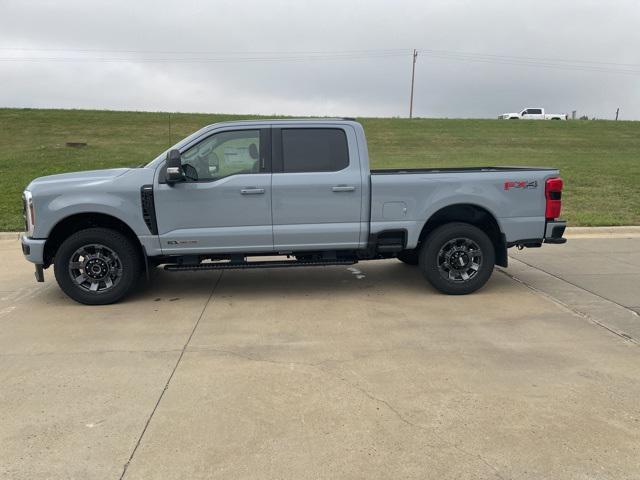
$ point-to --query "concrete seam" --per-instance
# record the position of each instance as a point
(166, 386)
(571, 309)
(578, 286)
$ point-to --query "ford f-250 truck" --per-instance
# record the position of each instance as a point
(234, 194)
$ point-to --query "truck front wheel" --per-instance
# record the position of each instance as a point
(97, 266)
(457, 258)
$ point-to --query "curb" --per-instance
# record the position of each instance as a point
(603, 232)
(9, 235)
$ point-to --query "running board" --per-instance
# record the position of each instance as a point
(258, 264)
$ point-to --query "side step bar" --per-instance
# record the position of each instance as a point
(258, 264)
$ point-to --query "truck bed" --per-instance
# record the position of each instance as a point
(515, 196)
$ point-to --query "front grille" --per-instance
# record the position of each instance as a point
(148, 208)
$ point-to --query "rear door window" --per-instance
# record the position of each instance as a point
(314, 150)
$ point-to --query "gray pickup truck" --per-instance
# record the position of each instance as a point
(235, 195)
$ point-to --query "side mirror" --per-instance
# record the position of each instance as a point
(173, 168)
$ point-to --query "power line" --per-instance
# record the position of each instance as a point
(526, 63)
(208, 52)
(307, 56)
(245, 59)
(448, 53)
(513, 57)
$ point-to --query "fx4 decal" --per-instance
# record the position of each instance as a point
(509, 184)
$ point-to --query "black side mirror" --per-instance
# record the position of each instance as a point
(173, 168)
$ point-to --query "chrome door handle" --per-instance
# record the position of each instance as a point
(251, 191)
(343, 188)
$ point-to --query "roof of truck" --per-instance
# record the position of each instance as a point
(278, 121)
(289, 120)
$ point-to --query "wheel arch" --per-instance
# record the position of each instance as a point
(81, 221)
(474, 215)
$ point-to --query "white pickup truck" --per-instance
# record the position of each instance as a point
(533, 114)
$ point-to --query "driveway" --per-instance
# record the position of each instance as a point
(331, 372)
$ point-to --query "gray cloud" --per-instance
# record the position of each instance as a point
(446, 84)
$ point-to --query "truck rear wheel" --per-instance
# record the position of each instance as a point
(457, 258)
(97, 266)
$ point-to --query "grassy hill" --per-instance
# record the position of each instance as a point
(599, 160)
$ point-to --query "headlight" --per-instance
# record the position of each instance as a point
(29, 212)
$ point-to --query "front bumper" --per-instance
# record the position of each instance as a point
(554, 230)
(33, 249)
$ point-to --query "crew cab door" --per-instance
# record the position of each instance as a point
(224, 202)
(317, 188)
(534, 114)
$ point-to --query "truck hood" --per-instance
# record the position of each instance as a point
(92, 177)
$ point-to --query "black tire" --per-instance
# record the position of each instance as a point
(461, 242)
(116, 261)
(410, 257)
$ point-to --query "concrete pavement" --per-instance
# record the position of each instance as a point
(604, 266)
(362, 372)
(598, 277)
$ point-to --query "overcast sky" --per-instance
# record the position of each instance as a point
(326, 57)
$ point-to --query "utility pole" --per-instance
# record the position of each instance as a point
(617, 112)
(413, 76)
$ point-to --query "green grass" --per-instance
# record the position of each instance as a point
(599, 160)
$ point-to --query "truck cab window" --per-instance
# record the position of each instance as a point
(314, 150)
(223, 154)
